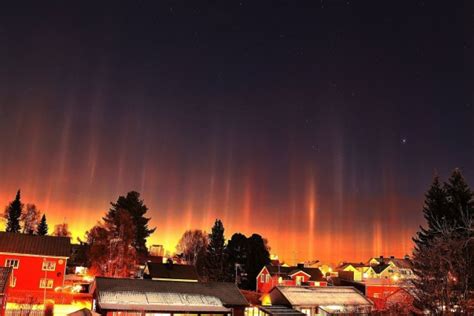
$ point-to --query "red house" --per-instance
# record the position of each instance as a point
(5, 278)
(271, 276)
(38, 265)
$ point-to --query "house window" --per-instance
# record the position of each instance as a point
(49, 266)
(14, 263)
(46, 283)
(12, 281)
(306, 311)
(262, 278)
(280, 280)
(299, 279)
(268, 278)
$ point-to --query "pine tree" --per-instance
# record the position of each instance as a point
(460, 201)
(215, 253)
(444, 250)
(137, 210)
(42, 229)
(13, 213)
(434, 209)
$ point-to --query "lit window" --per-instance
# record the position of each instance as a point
(14, 263)
(306, 311)
(268, 278)
(46, 283)
(262, 278)
(280, 280)
(49, 266)
(12, 281)
(299, 279)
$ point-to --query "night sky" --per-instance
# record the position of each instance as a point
(318, 124)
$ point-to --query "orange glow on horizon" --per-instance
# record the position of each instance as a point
(315, 242)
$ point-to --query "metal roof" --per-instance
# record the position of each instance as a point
(169, 293)
(321, 296)
(51, 246)
(278, 310)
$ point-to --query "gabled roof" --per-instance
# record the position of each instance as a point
(158, 270)
(35, 245)
(320, 296)
(167, 292)
(285, 272)
(4, 278)
(380, 267)
(354, 264)
(402, 263)
(296, 271)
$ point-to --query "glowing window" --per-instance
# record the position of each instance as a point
(14, 263)
(46, 283)
(306, 311)
(49, 266)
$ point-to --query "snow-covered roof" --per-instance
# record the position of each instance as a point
(136, 294)
(150, 301)
(321, 296)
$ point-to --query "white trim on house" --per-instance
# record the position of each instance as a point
(299, 272)
(31, 255)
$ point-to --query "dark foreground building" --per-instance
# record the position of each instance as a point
(125, 297)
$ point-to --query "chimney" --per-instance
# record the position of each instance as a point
(300, 265)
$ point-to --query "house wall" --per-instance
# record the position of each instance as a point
(380, 291)
(357, 274)
(267, 282)
(30, 272)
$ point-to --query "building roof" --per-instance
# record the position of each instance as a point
(279, 310)
(252, 297)
(167, 295)
(35, 245)
(402, 263)
(285, 272)
(380, 267)
(158, 270)
(319, 296)
(4, 278)
(354, 264)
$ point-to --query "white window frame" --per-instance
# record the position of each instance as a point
(262, 278)
(8, 262)
(49, 283)
(268, 278)
(44, 266)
